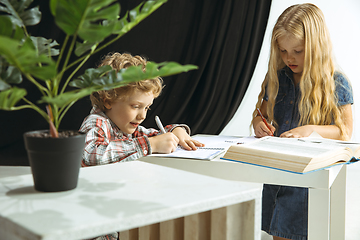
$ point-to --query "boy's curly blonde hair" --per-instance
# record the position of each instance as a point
(119, 61)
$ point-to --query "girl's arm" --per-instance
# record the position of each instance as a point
(326, 131)
(260, 129)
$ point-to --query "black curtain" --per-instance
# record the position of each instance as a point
(222, 37)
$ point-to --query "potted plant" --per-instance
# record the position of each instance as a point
(90, 26)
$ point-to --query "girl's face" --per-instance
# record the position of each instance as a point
(292, 51)
(129, 112)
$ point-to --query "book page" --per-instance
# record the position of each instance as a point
(293, 146)
(222, 141)
(354, 146)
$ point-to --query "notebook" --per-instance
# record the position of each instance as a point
(214, 146)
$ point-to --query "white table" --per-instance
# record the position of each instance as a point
(132, 197)
(327, 188)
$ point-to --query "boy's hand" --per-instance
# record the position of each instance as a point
(164, 143)
(185, 141)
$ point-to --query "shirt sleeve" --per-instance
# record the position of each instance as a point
(102, 145)
(343, 90)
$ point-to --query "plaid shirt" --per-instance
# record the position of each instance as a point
(106, 143)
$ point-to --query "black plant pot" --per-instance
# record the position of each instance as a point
(54, 162)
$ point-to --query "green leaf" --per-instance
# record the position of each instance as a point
(134, 73)
(154, 70)
(25, 57)
(5, 26)
(136, 15)
(119, 27)
(82, 48)
(10, 30)
(90, 75)
(110, 80)
(172, 68)
(68, 97)
(104, 79)
(52, 5)
(4, 85)
(12, 75)
(10, 97)
(19, 14)
(83, 17)
(18, 33)
(45, 46)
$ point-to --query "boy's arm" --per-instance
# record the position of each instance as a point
(175, 134)
(181, 131)
(102, 149)
(105, 145)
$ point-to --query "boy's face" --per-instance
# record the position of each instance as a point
(292, 52)
(129, 112)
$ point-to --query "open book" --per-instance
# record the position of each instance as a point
(298, 155)
(214, 146)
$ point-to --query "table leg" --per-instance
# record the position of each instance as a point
(319, 214)
(338, 206)
(327, 210)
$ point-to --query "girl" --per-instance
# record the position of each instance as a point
(301, 93)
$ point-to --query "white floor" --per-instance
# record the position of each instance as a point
(352, 229)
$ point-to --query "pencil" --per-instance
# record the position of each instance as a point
(264, 120)
(158, 122)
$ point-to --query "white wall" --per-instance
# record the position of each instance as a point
(343, 21)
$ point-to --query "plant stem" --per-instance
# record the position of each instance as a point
(74, 72)
(55, 112)
(64, 111)
(42, 89)
(83, 60)
(33, 106)
(60, 74)
(95, 51)
(64, 68)
(72, 44)
(62, 51)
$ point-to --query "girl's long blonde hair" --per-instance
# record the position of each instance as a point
(318, 103)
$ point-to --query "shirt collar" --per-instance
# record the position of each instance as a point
(121, 134)
(287, 71)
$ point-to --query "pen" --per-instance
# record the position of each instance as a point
(264, 120)
(159, 124)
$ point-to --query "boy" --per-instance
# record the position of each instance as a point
(113, 127)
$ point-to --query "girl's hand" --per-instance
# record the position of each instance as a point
(185, 140)
(164, 143)
(299, 132)
(260, 128)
